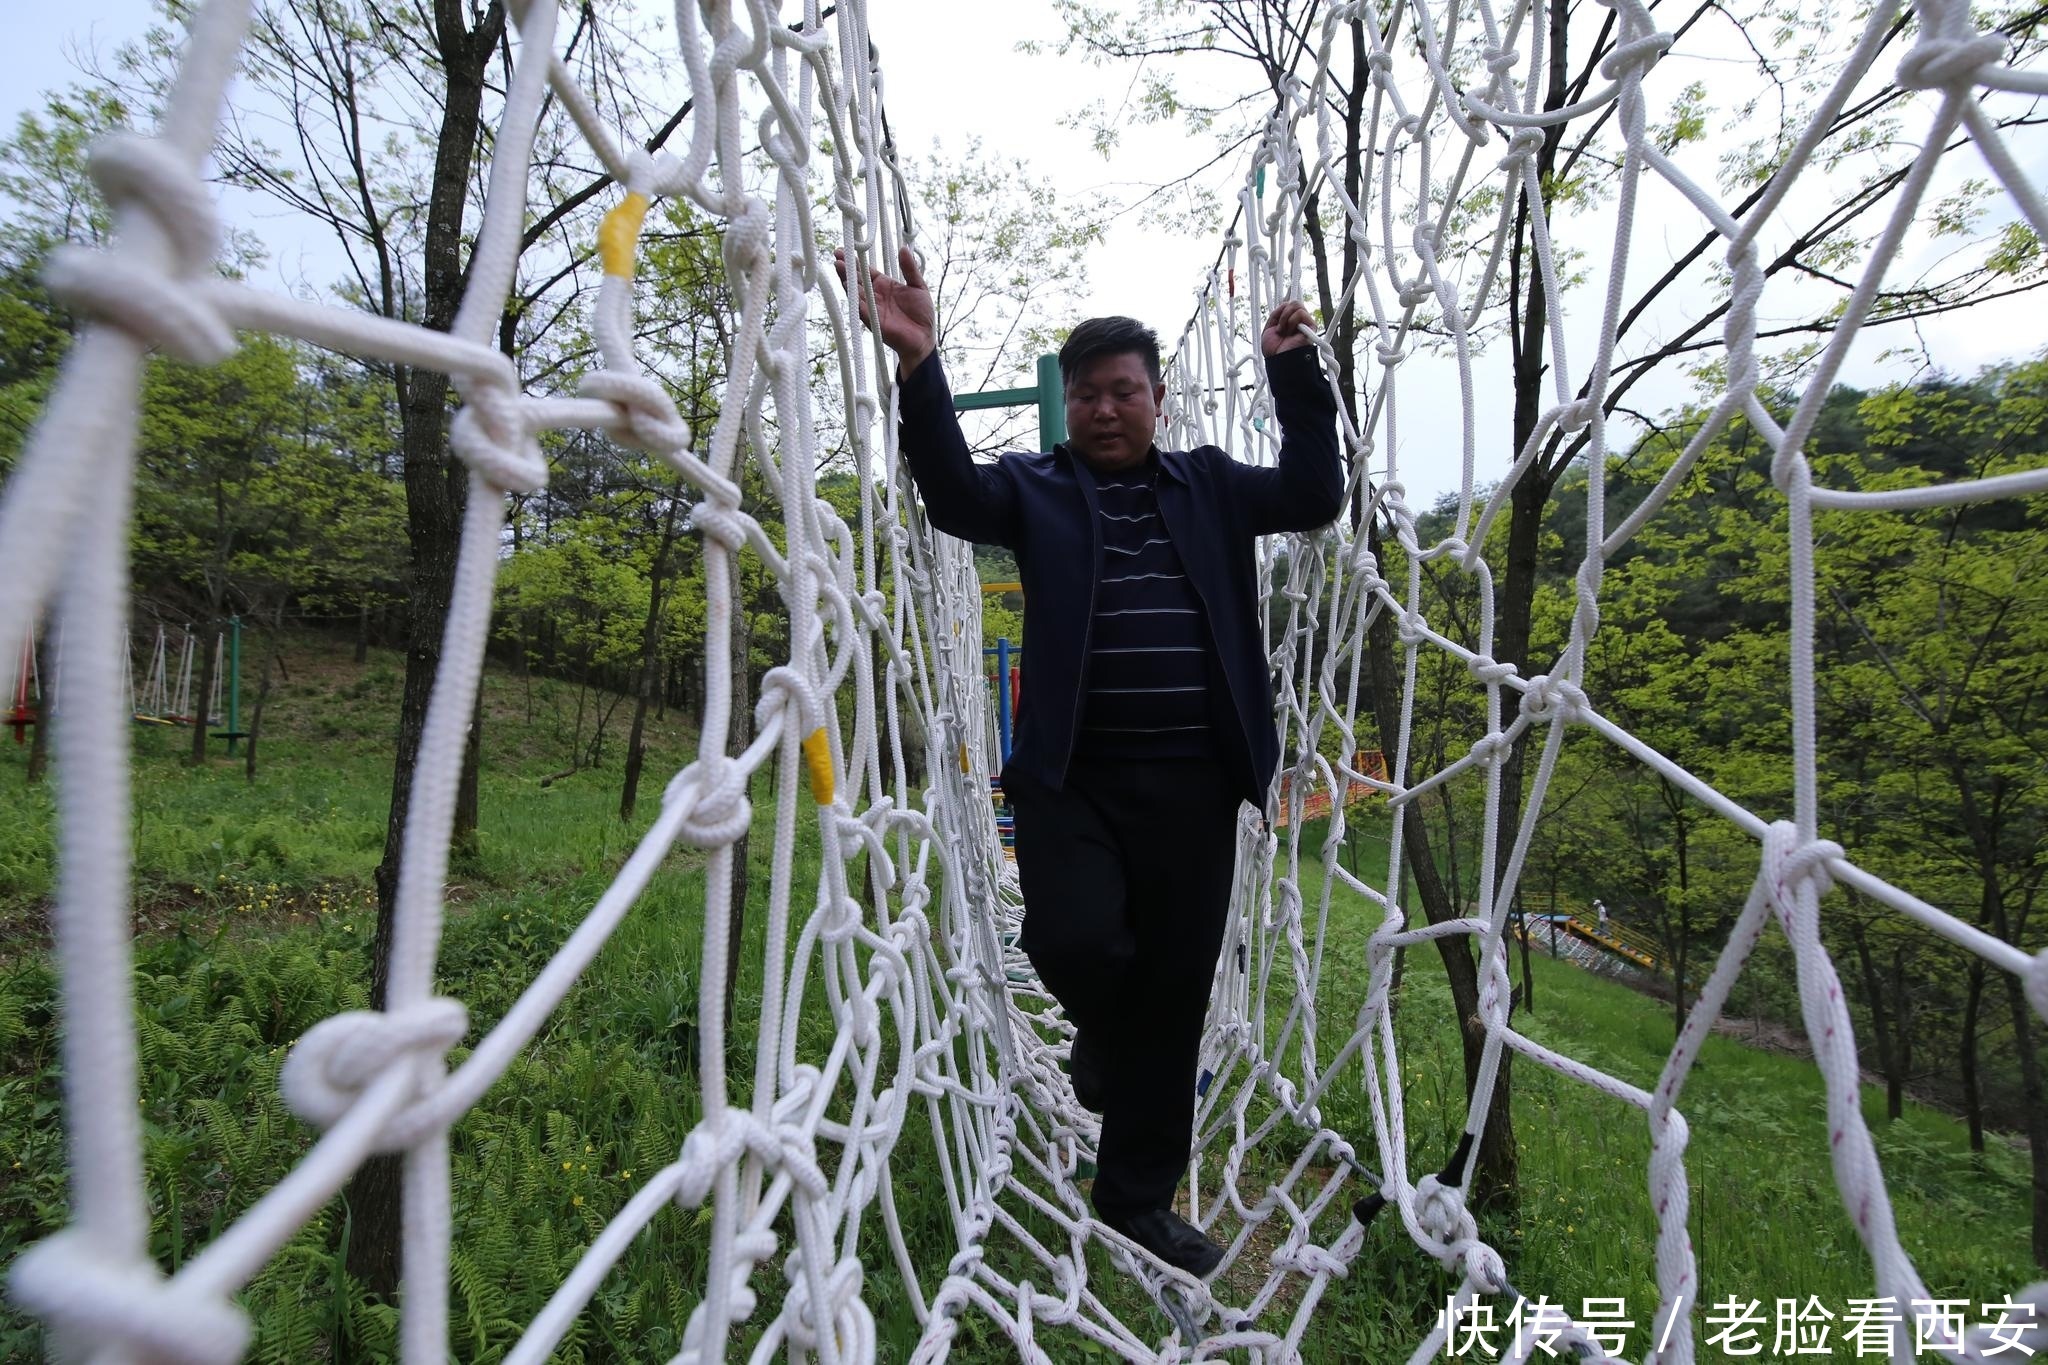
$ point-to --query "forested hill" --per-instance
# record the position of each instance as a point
(1931, 672)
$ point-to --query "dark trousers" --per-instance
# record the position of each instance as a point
(1126, 876)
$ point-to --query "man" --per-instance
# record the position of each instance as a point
(1147, 708)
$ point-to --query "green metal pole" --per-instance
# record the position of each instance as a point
(1052, 403)
(234, 680)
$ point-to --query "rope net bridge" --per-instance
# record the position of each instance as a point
(936, 1018)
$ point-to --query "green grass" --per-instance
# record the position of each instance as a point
(254, 907)
(1767, 1220)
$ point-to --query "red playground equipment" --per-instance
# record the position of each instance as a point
(22, 714)
(1365, 763)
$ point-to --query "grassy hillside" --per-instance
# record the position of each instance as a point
(255, 905)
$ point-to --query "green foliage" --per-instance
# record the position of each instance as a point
(1931, 629)
(590, 1110)
(43, 173)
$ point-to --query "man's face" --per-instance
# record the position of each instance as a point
(1113, 410)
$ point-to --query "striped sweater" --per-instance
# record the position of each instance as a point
(1149, 669)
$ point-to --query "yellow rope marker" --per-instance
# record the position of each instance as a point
(618, 236)
(963, 755)
(818, 757)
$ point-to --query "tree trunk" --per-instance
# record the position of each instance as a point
(434, 493)
(1681, 828)
(2036, 1109)
(39, 738)
(464, 846)
(1496, 1173)
(650, 659)
(1528, 979)
(363, 631)
(256, 716)
(1882, 1027)
(1973, 1097)
(1528, 325)
(742, 735)
(202, 703)
(1678, 956)
(1902, 1039)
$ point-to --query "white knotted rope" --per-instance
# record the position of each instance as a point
(931, 999)
(1428, 134)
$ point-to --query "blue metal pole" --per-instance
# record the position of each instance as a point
(1003, 694)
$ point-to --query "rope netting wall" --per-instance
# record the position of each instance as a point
(933, 1008)
(1433, 140)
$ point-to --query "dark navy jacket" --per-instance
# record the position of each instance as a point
(1042, 507)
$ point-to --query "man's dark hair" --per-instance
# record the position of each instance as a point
(1099, 337)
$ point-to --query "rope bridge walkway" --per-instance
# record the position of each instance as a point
(937, 1018)
(1616, 940)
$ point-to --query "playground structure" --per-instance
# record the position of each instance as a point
(1006, 685)
(1006, 682)
(1363, 778)
(28, 686)
(1604, 943)
(165, 695)
(934, 1017)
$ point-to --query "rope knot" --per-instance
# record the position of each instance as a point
(714, 1144)
(1309, 1259)
(339, 1058)
(720, 520)
(1522, 145)
(749, 1249)
(1441, 1211)
(1493, 748)
(490, 435)
(782, 687)
(1488, 669)
(1950, 62)
(713, 791)
(118, 1307)
(1551, 697)
(839, 921)
(1573, 416)
(747, 236)
(847, 1316)
(1632, 59)
(166, 308)
(1790, 863)
(1365, 565)
(648, 415)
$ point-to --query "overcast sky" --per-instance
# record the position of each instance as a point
(951, 77)
(953, 73)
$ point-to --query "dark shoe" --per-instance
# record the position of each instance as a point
(1172, 1238)
(1091, 1083)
